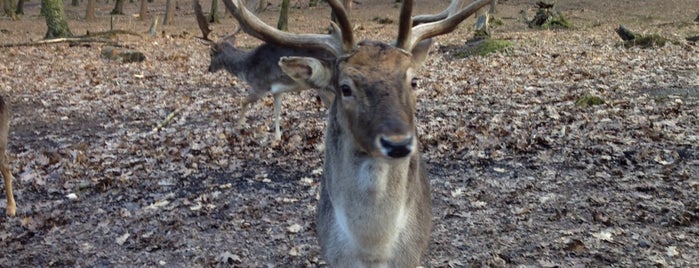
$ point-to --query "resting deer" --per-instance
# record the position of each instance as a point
(375, 202)
(258, 67)
(4, 165)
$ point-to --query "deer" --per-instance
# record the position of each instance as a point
(375, 202)
(4, 165)
(257, 67)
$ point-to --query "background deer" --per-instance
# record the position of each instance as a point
(4, 165)
(375, 203)
(258, 67)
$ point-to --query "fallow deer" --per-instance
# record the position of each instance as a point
(4, 165)
(375, 202)
(257, 67)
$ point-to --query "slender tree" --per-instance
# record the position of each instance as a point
(143, 12)
(90, 10)
(169, 12)
(118, 7)
(283, 22)
(20, 7)
(213, 15)
(9, 8)
(55, 19)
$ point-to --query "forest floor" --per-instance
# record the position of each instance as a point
(521, 175)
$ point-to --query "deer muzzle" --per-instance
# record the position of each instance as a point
(396, 146)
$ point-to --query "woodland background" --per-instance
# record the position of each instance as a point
(524, 169)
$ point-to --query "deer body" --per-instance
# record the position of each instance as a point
(4, 165)
(259, 68)
(375, 204)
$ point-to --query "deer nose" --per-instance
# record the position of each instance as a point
(396, 146)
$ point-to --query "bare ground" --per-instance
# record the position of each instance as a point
(521, 175)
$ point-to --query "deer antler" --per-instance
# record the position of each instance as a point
(201, 20)
(338, 43)
(409, 37)
(425, 18)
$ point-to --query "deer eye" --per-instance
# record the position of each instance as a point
(413, 82)
(346, 90)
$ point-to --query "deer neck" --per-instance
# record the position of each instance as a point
(235, 61)
(369, 194)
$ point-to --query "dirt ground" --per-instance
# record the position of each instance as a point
(521, 175)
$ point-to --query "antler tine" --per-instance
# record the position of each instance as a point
(345, 25)
(201, 20)
(432, 29)
(235, 31)
(453, 7)
(253, 26)
(404, 25)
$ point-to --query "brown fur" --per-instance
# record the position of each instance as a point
(385, 201)
(4, 165)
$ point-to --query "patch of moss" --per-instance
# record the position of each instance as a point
(646, 41)
(548, 19)
(589, 100)
(484, 47)
(557, 22)
(494, 22)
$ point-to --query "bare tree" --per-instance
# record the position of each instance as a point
(118, 7)
(10, 9)
(143, 11)
(55, 19)
(169, 12)
(213, 14)
(283, 22)
(90, 10)
(20, 7)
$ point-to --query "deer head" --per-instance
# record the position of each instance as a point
(375, 206)
(373, 81)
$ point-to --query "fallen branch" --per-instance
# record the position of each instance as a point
(167, 120)
(88, 38)
(112, 33)
(58, 41)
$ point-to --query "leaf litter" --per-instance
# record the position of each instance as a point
(520, 174)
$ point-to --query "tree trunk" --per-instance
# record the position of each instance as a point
(55, 19)
(143, 13)
(118, 8)
(283, 23)
(213, 15)
(9, 7)
(169, 12)
(20, 7)
(493, 7)
(90, 11)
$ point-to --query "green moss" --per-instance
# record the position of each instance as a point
(647, 41)
(484, 47)
(589, 100)
(495, 22)
(557, 22)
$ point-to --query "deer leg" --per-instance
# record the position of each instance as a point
(249, 100)
(5, 170)
(277, 115)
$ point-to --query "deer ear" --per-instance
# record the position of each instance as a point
(420, 52)
(311, 71)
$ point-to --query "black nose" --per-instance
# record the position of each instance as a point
(396, 148)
